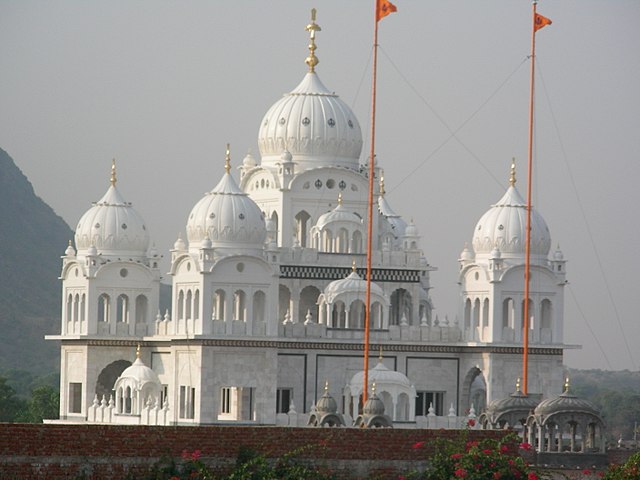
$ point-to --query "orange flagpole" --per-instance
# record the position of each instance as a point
(372, 156)
(527, 265)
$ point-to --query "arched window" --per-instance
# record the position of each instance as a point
(76, 307)
(218, 305)
(467, 314)
(545, 313)
(507, 313)
(302, 227)
(69, 308)
(376, 315)
(327, 241)
(284, 300)
(308, 302)
(259, 306)
(476, 313)
(181, 305)
(276, 226)
(342, 241)
(188, 305)
(401, 307)
(485, 313)
(356, 314)
(239, 305)
(357, 242)
(196, 305)
(141, 309)
(122, 314)
(104, 308)
(338, 315)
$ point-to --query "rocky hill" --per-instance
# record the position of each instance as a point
(32, 238)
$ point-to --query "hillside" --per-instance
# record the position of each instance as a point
(32, 238)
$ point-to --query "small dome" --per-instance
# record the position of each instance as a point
(70, 251)
(326, 404)
(558, 255)
(381, 376)
(206, 242)
(373, 406)
(566, 402)
(398, 225)
(495, 253)
(286, 156)
(179, 244)
(504, 226)
(314, 124)
(113, 226)
(516, 401)
(338, 214)
(353, 283)
(411, 230)
(228, 216)
(466, 254)
(139, 372)
(249, 161)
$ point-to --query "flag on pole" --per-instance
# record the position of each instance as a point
(540, 22)
(384, 8)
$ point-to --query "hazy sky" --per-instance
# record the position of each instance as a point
(163, 86)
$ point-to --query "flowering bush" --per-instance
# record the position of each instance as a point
(476, 460)
(629, 471)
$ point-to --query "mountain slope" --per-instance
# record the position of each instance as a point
(32, 238)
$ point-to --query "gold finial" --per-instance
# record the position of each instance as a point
(373, 388)
(340, 199)
(518, 384)
(382, 192)
(227, 159)
(113, 172)
(312, 28)
(380, 354)
(512, 176)
(353, 265)
(138, 351)
(566, 385)
(326, 385)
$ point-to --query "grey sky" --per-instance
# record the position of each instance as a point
(162, 86)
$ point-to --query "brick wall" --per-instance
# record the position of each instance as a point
(55, 451)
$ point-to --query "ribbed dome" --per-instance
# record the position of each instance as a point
(398, 225)
(373, 406)
(565, 402)
(314, 124)
(515, 401)
(504, 226)
(338, 214)
(351, 284)
(229, 217)
(113, 226)
(326, 404)
(382, 376)
(139, 372)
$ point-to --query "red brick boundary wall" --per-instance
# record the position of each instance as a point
(54, 451)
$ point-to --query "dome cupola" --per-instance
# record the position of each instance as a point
(312, 123)
(112, 226)
(228, 217)
(504, 227)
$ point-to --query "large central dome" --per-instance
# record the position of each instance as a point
(312, 123)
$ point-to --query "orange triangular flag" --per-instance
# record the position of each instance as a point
(539, 22)
(384, 8)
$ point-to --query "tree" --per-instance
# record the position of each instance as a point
(10, 404)
(44, 403)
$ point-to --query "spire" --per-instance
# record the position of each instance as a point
(353, 266)
(113, 172)
(326, 385)
(227, 159)
(566, 385)
(312, 28)
(518, 384)
(339, 199)
(382, 192)
(138, 351)
(512, 176)
(380, 354)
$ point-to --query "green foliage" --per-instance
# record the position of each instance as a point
(44, 403)
(629, 471)
(10, 404)
(475, 460)
(250, 465)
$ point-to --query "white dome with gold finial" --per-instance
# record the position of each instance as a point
(312, 123)
(504, 227)
(112, 226)
(227, 216)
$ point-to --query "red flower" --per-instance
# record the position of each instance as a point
(586, 471)
(470, 445)
(497, 476)
(460, 473)
(418, 445)
(532, 476)
(471, 422)
(486, 451)
(525, 446)
(456, 455)
(186, 455)
(196, 454)
(504, 449)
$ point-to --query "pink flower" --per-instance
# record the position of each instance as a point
(504, 449)
(185, 455)
(586, 471)
(418, 445)
(532, 476)
(525, 446)
(460, 473)
(456, 455)
(486, 451)
(196, 454)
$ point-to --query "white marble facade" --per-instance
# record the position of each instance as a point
(268, 291)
